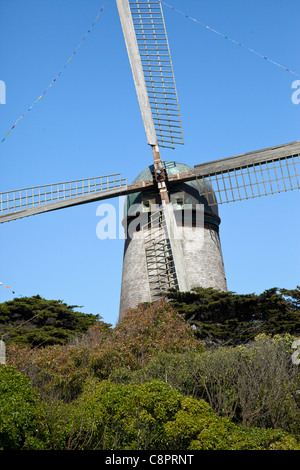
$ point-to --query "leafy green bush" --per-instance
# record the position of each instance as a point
(153, 416)
(142, 334)
(255, 384)
(196, 427)
(149, 383)
(20, 412)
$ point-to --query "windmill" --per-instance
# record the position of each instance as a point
(236, 178)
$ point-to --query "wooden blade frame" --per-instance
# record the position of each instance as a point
(39, 199)
(254, 174)
(149, 56)
(137, 70)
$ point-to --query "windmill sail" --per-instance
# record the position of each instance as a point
(36, 200)
(259, 173)
(264, 172)
(149, 55)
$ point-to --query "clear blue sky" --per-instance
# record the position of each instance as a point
(88, 124)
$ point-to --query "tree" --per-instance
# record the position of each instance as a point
(225, 318)
(142, 333)
(35, 321)
(59, 371)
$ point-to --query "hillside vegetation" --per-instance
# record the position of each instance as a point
(202, 370)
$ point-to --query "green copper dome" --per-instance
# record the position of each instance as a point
(192, 192)
(173, 168)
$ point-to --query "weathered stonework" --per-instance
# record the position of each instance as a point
(200, 245)
(135, 288)
(203, 259)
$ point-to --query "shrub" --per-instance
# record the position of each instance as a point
(153, 416)
(20, 412)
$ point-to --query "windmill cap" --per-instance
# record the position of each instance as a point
(194, 192)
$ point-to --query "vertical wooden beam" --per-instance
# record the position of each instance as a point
(158, 166)
(137, 69)
(2, 352)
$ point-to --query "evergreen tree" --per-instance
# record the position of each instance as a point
(230, 318)
(36, 321)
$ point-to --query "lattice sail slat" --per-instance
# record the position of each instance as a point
(38, 199)
(26, 198)
(251, 175)
(149, 53)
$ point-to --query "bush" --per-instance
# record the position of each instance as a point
(152, 416)
(142, 334)
(20, 412)
(196, 427)
(255, 384)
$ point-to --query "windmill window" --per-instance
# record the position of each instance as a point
(147, 204)
(180, 201)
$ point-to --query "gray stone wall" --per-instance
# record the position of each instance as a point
(135, 286)
(203, 258)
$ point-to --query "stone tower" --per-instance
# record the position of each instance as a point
(200, 243)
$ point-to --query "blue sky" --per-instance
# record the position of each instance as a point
(88, 124)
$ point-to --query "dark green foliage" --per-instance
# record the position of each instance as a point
(229, 318)
(36, 321)
(153, 416)
(150, 382)
(255, 384)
